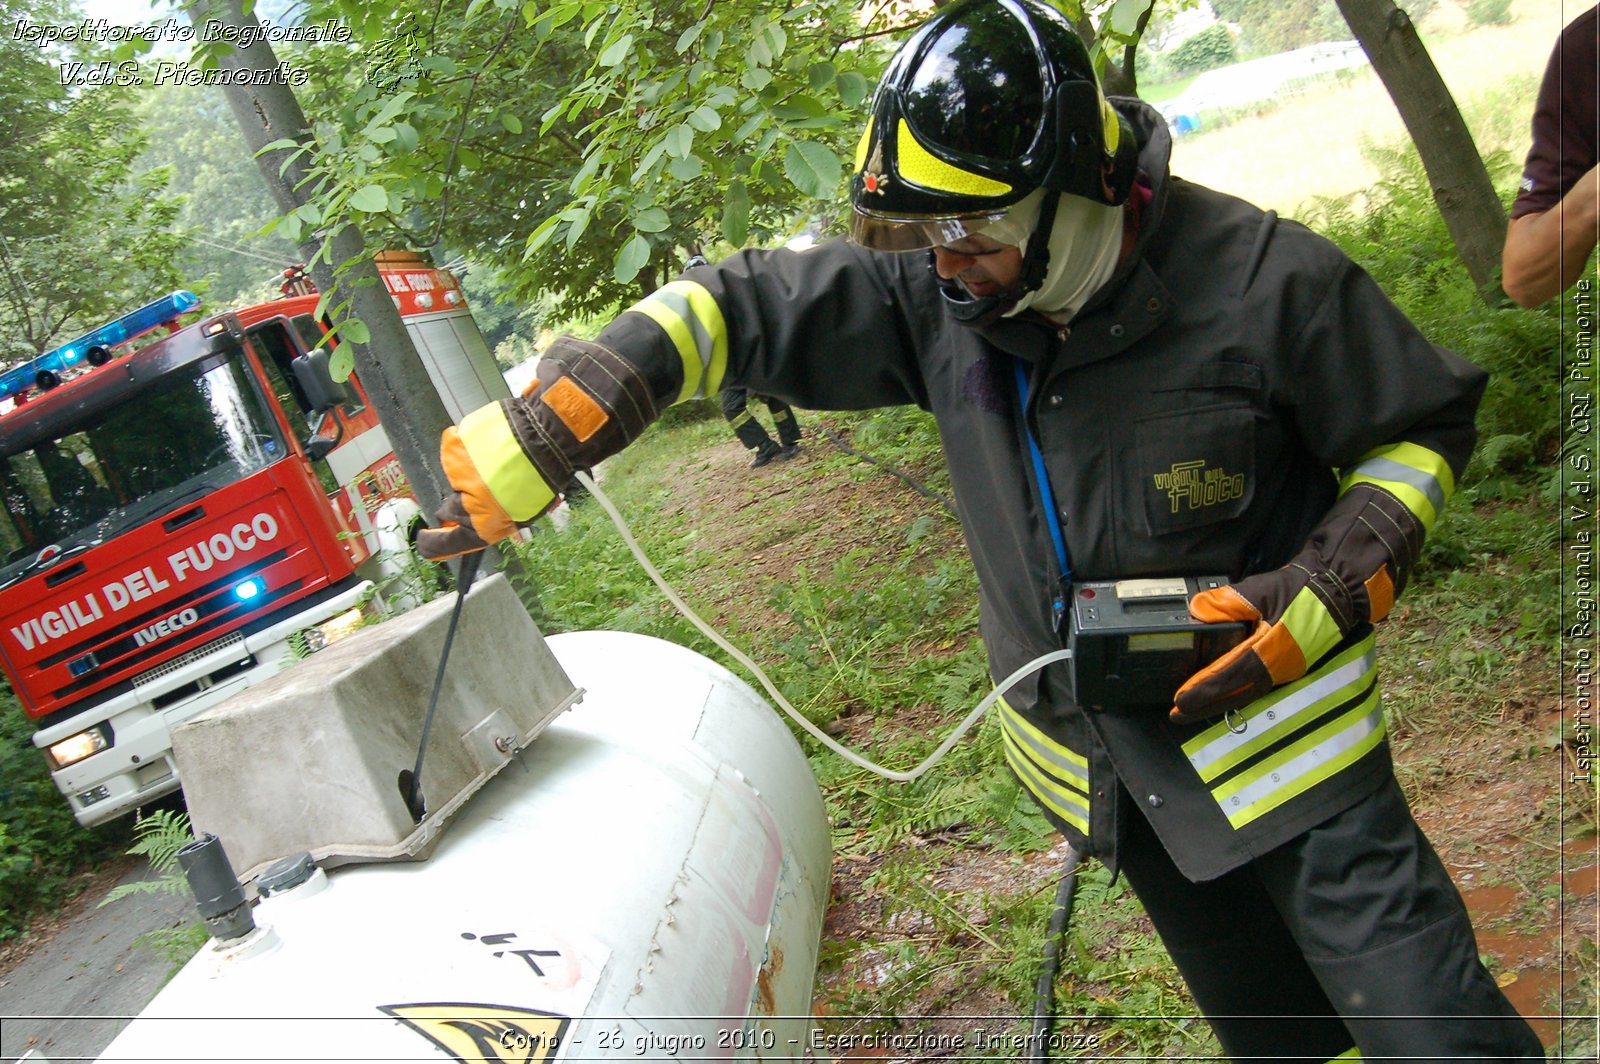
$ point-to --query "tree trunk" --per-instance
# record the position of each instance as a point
(1461, 185)
(402, 394)
(398, 385)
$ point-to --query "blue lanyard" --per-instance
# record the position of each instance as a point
(1047, 496)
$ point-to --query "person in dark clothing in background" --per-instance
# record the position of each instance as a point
(751, 433)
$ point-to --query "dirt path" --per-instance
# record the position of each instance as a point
(71, 983)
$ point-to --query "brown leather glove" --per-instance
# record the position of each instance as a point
(509, 460)
(455, 534)
(1353, 566)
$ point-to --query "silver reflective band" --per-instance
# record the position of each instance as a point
(1388, 469)
(882, 233)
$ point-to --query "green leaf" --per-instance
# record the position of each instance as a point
(291, 228)
(751, 124)
(631, 259)
(777, 39)
(1125, 16)
(820, 76)
(405, 136)
(511, 122)
(853, 88)
(617, 51)
(705, 119)
(576, 224)
(342, 362)
(355, 330)
(687, 38)
(651, 220)
(382, 135)
(687, 168)
(805, 112)
(469, 158)
(586, 172)
(649, 161)
(310, 213)
(812, 168)
(756, 78)
(679, 141)
(736, 214)
(759, 53)
(372, 199)
(540, 236)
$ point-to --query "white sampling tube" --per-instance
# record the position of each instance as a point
(777, 696)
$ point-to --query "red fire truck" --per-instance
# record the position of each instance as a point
(181, 520)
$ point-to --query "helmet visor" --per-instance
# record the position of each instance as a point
(876, 232)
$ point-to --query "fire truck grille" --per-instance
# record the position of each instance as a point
(167, 668)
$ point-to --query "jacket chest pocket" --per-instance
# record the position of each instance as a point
(1194, 467)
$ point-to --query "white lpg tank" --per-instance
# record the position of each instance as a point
(647, 880)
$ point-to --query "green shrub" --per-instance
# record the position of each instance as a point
(1211, 47)
(1397, 234)
(41, 845)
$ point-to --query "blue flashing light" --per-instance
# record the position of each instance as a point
(247, 590)
(133, 324)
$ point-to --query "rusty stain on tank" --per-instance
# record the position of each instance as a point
(765, 997)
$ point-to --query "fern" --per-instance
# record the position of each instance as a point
(158, 837)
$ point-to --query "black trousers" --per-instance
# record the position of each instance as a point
(735, 403)
(1351, 935)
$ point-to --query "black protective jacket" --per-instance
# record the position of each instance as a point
(1192, 420)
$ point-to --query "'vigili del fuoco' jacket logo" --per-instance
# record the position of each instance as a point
(1190, 485)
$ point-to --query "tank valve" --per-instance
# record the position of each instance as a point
(216, 888)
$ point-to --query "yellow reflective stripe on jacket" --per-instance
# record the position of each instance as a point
(501, 462)
(1234, 740)
(1297, 768)
(1272, 776)
(1353, 1054)
(694, 323)
(1053, 773)
(1418, 477)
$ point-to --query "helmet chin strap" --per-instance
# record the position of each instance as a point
(981, 310)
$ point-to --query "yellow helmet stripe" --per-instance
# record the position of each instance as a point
(694, 323)
(919, 167)
(861, 148)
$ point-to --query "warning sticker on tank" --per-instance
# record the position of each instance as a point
(476, 1033)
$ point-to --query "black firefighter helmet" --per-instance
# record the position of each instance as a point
(986, 102)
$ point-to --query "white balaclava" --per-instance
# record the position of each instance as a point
(1085, 243)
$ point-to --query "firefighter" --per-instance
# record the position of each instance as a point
(751, 433)
(1135, 377)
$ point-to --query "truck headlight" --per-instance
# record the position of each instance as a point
(334, 629)
(75, 748)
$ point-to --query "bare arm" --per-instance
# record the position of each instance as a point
(1545, 252)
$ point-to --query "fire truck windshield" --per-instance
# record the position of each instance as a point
(110, 469)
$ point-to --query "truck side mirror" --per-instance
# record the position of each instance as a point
(319, 446)
(321, 390)
(325, 396)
